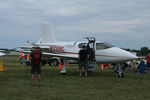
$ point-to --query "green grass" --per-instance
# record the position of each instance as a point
(15, 84)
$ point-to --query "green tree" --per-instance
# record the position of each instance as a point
(144, 51)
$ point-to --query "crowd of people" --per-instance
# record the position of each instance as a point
(139, 65)
(25, 57)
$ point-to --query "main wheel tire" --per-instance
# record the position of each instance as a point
(55, 62)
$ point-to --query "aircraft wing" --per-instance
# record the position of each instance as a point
(27, 49)
(68, 56)
(72, 56)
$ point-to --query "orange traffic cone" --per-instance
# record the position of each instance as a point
(1, 66)
(67, 63)
(59, 66)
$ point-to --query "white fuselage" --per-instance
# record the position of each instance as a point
(110, 54)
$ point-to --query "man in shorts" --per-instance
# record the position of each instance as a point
(83, 58)
(36, 56)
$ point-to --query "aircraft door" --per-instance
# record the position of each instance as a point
(91, 51)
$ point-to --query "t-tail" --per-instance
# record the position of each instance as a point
(47, 35)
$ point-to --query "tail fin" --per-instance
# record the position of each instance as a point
(47, 35)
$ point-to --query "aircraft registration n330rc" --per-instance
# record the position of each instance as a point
(100, 52)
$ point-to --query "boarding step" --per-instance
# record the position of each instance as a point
(91, 65)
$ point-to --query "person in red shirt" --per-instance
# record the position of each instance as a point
(148, 60)
(36, 56)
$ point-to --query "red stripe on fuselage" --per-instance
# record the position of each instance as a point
(95, 55)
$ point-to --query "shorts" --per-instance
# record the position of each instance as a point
(83, 64)
(21, 60)
(133, 64)
(36, 68)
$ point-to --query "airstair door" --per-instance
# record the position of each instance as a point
(91, 51)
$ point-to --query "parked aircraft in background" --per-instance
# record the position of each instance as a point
(1, 54)
(7, 51)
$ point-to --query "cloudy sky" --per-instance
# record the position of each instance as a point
(124, 23)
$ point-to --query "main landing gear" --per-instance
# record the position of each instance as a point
(63, 64)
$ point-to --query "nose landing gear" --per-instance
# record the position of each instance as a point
(119, 70)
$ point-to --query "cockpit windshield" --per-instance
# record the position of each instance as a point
(103, 45)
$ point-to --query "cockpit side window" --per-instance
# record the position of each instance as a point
(101, 46)
(82, 44)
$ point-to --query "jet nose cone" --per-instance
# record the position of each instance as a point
(125, 55)
(129, 55)
(133, 57)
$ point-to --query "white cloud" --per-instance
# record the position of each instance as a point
(97, 25)
(59, 7)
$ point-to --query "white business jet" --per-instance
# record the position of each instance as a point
(100, 52)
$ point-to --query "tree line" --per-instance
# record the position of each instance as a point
(142, 52)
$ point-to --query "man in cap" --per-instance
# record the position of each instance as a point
(83, 58)
(36, 56)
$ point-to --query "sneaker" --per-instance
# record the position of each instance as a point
(80, 75)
